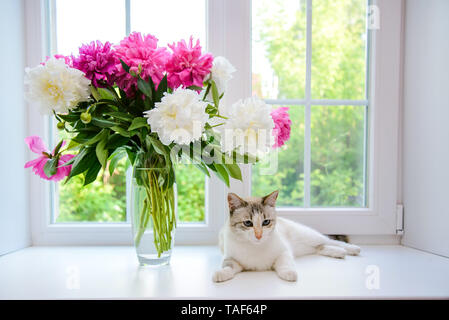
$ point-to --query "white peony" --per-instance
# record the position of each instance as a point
(56, 86)
(180, 117)
(248, 128)
(221, 73)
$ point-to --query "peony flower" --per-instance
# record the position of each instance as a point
(67, 60)
(136, 50)
(282, 126)
(36, 145)
(179, 117)
(221, 73)
(56, 86)
(248, 128)
(98, 62)
(187, 66)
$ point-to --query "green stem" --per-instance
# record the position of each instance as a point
(159, 207)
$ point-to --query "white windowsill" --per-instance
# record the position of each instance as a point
(113, 272)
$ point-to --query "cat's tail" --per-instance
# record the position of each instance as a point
(351, 249)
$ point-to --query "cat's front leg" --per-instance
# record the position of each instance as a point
(229, 268)
(285, 267)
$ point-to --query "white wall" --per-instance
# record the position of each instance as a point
(14, 219)
(426, 126)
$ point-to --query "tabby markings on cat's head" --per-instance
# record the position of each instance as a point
(252, 219)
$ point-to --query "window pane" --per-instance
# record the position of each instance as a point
(186, 18)
(102, 201)
(190, 183)
(278, 48)
(289, 175)
(338, 49)
(105, 199)
(83, 21)
(338, 162)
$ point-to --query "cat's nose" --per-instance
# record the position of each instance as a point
(258, 234)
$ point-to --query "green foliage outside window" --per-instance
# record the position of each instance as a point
(338, 72)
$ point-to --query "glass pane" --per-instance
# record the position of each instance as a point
(105, 199)
(191, 184)
(102, 201)
(278, 48)
(338, 162)
(338, 49)
(187, 18)
(288, 176)
(83, 21)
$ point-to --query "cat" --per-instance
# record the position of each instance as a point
(254, 238)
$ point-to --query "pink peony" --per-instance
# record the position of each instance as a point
(187, 66)
(67, 60)
(136, 50)
(282, 126)
(98, 62)
(36, 145)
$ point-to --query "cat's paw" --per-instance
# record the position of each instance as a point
(352, 249)
(223, 275)
(287, 274)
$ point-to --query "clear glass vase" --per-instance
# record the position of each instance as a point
(153, 209)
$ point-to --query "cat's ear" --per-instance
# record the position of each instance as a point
(235, 202)
(270, 200)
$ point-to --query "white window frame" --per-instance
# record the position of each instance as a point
(379, 217)
(229, 35)
(39, 17)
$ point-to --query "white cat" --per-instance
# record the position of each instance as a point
(254, 238)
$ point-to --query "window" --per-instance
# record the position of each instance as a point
(339, 78)
(315, 62)
(105, 199)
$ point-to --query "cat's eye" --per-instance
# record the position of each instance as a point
(266, 222)
(247, 223)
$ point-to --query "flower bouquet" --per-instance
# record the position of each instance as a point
(156, 107)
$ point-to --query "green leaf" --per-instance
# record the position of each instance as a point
(121, 131)
(51, 167)
(144, 87)
(102, 151)
(211, 110)
(98, 137)
(161, 89)
(215, 95)
(92, 173)
(70, 117)
(58, 147)
(124, 65)
(138, 122)
(221, 173)
(116, 140)
(102, 123)
(233, 170)
(120, 115)
(94, 92)
(203, 168)
(115, 157)
(72, 145)
(196, 88)
(106, 94)
(131, 156)
(83, 161)
(207, 91)
(158, 146)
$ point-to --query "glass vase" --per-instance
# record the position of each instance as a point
(153, 209)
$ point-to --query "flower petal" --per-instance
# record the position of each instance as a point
(35, 144)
